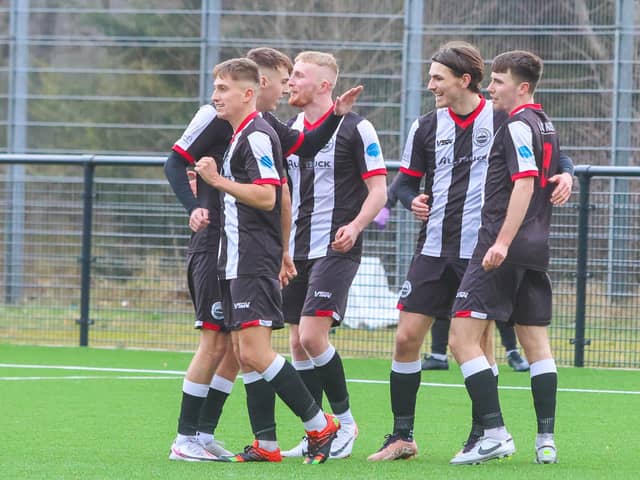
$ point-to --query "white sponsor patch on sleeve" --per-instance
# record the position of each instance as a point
(523, 143)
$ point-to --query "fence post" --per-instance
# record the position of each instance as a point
(581, 270)
(85, 258)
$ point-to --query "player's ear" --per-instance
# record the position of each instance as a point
(466, 80)
(524, 88)
(249, 93)
(264, 81)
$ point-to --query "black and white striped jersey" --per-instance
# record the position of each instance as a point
(209, 135)
(206, 135)
(452, 153)
(328, 190)
(251, 240)
(525, 146)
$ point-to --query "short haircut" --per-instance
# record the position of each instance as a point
(271, 58)
(321, 59)
(524, 66)
(238, 69)
(461, 58)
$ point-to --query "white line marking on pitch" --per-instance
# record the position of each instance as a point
(180, 373)
(89, 377)
(93, 369)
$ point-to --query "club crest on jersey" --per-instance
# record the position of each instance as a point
(481, 137)
(373, 150)
(405, 291)
(216, 311)
(329, 146)
(266, 161)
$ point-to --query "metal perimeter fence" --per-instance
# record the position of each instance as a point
(99, 261)
(116, 77)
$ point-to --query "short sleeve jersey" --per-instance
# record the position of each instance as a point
(452, 153)
(525, 146)
(206, 135)
(328, 190)
(290, 138)
(251, 241)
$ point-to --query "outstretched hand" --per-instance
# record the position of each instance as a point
(344, 103)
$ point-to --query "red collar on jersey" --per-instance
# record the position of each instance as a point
(311, 126)
(472, 116)
(535, 106)
(242, 125)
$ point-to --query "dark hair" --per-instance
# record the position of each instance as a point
(524, 66)
(267, 57)
(461, 58)
(241, 69)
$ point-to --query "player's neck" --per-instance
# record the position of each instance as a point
(316, 109)
(466, 104)
(520, 101)
(238, 117)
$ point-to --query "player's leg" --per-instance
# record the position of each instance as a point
(437, 359)
(488, 347)
(404, 381)
(255, 353)
(205, 295)
(482, 296)
(534, 315)
(508, 337)
(427, 293)
(324, 307)
(259, 393)
(219, 391)
(194, 393)
(293, 296)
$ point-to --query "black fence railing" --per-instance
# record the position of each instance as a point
(102, 257)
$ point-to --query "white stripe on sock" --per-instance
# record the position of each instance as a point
(324, 357)
(406, 367)
(221, 384)
(303, 365)
(548, 365)
(273, 369)
(251, 377)
(195, 389)
(474, 366)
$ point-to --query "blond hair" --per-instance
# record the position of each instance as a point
(320, 59)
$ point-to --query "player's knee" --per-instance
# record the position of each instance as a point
(314, 345)
(248, 359)
(294, 343)
(454, 343)
(406, 342)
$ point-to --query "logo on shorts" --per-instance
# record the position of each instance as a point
(462, 294)
(321, 294)
(241, 305)
(405, 291)
(216, 311)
